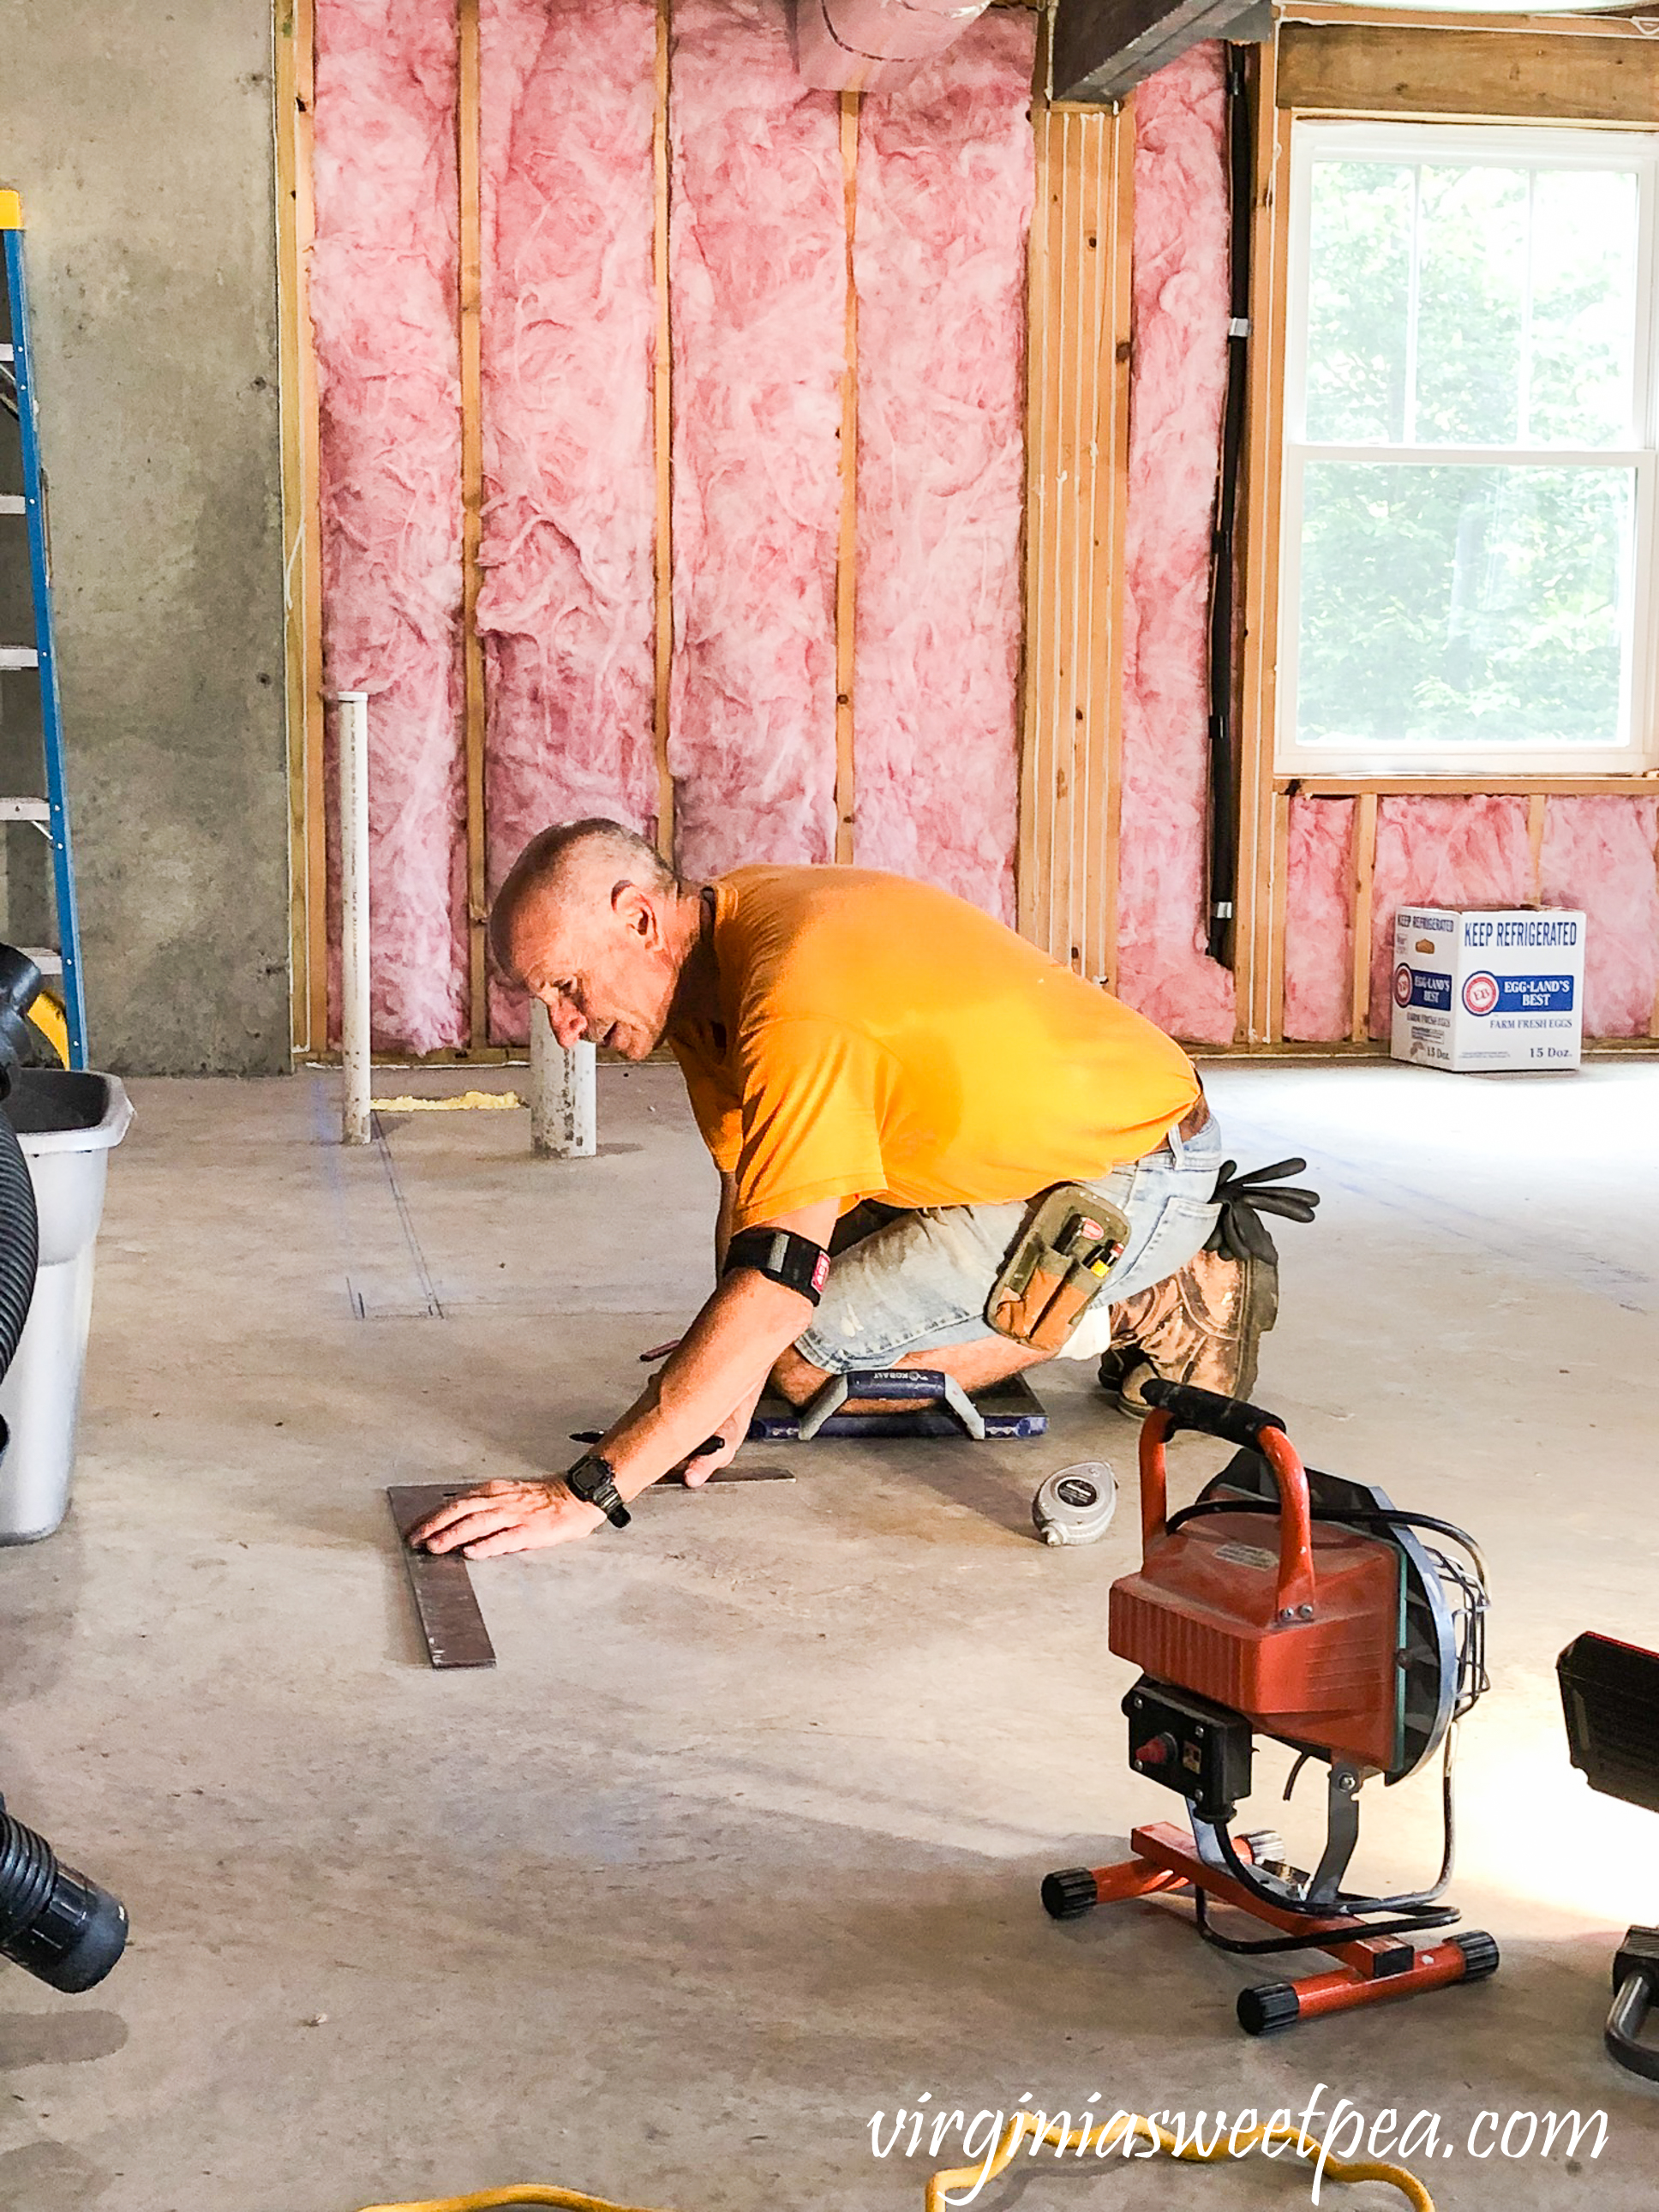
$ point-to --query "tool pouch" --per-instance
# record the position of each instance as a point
(1059, 1265)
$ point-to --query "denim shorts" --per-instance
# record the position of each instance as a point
(924, 1280)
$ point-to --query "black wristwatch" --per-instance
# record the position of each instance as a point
(594, 1479)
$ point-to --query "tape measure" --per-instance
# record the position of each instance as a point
(1076, 1505)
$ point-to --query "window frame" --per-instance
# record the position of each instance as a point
(1550, 146)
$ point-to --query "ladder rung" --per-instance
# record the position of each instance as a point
(19, 656)
(25, 809)
(13, 502)
(7, 353)
(48, 962)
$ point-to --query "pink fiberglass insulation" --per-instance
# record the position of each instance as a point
(383, 283)
(566, 611)
(1598, 854)
(758, 299)
(1177, 382)
(1319, 920)
(1442, 852)
(944, 189)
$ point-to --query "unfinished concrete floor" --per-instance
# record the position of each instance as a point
(740, 1842)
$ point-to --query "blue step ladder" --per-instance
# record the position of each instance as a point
(61, 964)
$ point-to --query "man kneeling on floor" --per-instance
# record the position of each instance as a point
(883, 1072)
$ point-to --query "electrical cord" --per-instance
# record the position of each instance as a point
(1342, 1905)
(1121, 2133)
(1418, 1904)
(1413, 1926)
(528, 2192)
(1448, 1819)
(1134, 2127)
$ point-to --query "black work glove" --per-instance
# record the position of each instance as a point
(1240, 1232)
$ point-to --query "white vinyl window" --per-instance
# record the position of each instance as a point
(1467, 515)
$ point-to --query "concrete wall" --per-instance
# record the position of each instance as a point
(140, 138)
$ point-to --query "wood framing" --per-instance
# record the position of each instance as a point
(1364, 870)
(1645, 785)
(471, 321)
(1077, 485)
(1078, 406)
(1472, 73)
(846, 548)
(1382, 15)
(1340, 60)
(295, 78)
(1263, 821)
(662, 432)
(1276, 911)
(1536, 805)
(1077, 476)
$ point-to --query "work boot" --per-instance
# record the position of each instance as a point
(1204, 1325)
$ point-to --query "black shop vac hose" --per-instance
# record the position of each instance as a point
(61, 1928)
(19, 1243)
(20, 1227)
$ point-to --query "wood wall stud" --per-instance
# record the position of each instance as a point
(1260, 952)
(847, 543)
(1077, 484)
(473, 493)
(1536, 806)
(662, 431)
(1364, 870)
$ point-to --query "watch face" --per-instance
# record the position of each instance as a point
(590, 1473)
(594, 1479)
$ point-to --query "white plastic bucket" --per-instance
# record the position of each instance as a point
(67, 1124)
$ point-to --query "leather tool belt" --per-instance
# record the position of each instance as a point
(1058, 1266)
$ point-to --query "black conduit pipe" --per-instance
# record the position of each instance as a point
(1224, 761)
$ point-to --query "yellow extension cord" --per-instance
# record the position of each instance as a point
(1110, 2133)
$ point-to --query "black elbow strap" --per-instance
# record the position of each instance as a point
(782, 1257)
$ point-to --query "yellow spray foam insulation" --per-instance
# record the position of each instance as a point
(463, 1102)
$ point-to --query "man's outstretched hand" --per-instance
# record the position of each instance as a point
(506, 1517)
(530, 1516)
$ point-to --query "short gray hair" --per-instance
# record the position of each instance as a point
(553, 856)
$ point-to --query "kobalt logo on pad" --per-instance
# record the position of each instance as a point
(1480, 992)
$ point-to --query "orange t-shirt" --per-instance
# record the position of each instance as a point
(879, 1038)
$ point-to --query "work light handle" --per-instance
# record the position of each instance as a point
(1210, 1413)
(1182, 1405)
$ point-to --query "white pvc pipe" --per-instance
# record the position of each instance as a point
(353, 914)
(563, 1111)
